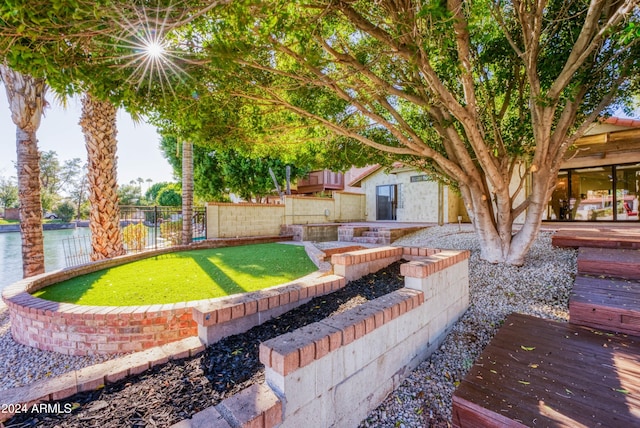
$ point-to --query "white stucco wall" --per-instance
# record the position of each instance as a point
(417, 201)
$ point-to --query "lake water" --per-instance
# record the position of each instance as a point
(11, 260)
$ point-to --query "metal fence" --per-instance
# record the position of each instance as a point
(143, 228)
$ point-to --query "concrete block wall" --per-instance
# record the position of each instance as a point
(234, 220)
(349, 206)
(334, 372)
(226, 220)
(306, 210)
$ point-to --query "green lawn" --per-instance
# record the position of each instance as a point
(185, 276)
(4, 221)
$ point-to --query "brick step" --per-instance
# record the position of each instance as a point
(606, 303)
(368, 240)
(620, 263)
(376, 234)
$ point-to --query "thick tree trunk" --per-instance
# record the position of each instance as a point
(187, 192)
(98, 123)
(26, 101)
(502, 241)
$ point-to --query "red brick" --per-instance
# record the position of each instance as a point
(273, 415)
(285, 363)
(379, 318)
(237, 311)
(294, 295)
(251, 307)
(263, 304)
(359, 329)
(307, 353)
(322, 347)
(335, 340)
(395, 311)
(284, 298)
(265, 355)
(327, 287)
(274, 301)
(303, 292)
(224, 314)
(369, 324)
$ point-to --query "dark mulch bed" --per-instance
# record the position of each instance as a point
(179, 389)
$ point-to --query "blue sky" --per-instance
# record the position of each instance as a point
(138, 151)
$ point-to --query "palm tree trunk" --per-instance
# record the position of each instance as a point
(98, 123)
(26, 101)
(187, 192)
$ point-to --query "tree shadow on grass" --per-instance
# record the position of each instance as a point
(71, 290)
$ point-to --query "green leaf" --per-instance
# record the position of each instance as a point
(527, 348)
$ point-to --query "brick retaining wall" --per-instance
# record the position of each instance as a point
(81, 330)
(334, 372)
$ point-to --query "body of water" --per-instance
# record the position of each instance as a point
(11, 260)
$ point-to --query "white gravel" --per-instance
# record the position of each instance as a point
(541, 287)
(22, 364)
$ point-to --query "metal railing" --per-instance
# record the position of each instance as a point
(143, 228)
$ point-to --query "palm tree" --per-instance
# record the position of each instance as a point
(26, 101)
(98, 123)
(187, 192)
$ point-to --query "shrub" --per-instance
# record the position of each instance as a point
(172, 231)
(135, 236)
(65, 211)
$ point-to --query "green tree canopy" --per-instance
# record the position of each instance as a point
(170, 196)
(217, 173)
(488, 95)
(8, 192)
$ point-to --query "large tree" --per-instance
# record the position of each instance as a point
(486, 94)
(106, 51)
(98, 123)
(26, 96)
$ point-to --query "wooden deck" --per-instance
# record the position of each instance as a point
(541, 373)
(620, 263)
(628, 238)
(606, 303)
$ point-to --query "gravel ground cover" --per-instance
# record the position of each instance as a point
(539, 288)
(179, 389)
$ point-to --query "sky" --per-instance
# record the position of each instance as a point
(138, 151)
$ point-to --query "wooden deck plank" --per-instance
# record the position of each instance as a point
(604, 238)
(620, 263)
(606, 303)
(615, 292)
(543, 373)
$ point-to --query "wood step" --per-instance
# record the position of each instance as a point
(606, 303)
(619, 238)
(619, 263)
(542, 373)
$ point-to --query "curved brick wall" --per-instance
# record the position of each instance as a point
(81, 330)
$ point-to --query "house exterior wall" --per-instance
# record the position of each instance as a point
(417, 201)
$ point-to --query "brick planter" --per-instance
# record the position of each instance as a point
(80, 330)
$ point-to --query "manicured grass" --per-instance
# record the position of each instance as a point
(4, 221)
(185, 276)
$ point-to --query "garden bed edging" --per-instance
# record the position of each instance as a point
(81, 330)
